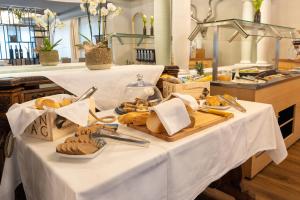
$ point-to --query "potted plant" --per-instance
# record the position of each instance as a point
(144, 18)
(152, 25)
(49, 21)
(257, 5)
(19, 14)
(98, 55)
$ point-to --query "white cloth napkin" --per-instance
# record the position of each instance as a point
(173, 115)
(20, 116)
(187, 100)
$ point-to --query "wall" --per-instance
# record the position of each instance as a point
(286, 13)
(229, 53)
(283, 13)
(122, 24)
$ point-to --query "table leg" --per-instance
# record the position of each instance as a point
(227, 187)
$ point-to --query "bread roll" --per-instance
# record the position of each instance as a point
(154, 124)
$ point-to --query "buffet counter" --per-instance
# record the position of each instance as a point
(164, 170)
(283, 94)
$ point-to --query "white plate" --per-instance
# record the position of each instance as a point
(88, 156)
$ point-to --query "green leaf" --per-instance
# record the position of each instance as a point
(257, 4)
(86, 38)
(55, 44)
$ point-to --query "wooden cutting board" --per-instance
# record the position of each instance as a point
(202, 121)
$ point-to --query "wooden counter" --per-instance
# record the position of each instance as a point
(287, 64)
(285, 98)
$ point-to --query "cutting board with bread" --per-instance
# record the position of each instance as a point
(154, 124)
(200, 122)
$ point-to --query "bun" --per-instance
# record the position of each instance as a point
(154, 124)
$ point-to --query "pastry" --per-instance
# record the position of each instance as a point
(41, 102)
(84, 139)
(50, 103)
(65, 102)
(154, 124)
(134, 118)
(81, 145)
(87, 148)
(139, 105)
(38, 103)
(88, 130)
(71, 139)
(215, 101)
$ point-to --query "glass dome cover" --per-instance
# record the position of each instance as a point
(142, 90)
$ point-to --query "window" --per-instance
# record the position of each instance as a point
(64, 47)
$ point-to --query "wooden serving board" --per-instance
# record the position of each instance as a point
(202, 121)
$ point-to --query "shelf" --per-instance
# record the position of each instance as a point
(20, 25)
(248, 28)
(140, 37)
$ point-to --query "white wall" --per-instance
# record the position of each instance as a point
(63, 48)
(285, 13)
(122, 24)
(227, 9)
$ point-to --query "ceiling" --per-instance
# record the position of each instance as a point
(59, 7)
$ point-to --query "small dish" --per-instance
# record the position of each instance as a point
(88, 156)
(101, 144)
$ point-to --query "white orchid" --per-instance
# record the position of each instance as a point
(117, 12)
(104, 12)
(102, 9)
(93, 10)
(82, 7)
(49, 13)
(49, 21)
(111, 7)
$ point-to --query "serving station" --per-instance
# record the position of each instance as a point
(263, 83)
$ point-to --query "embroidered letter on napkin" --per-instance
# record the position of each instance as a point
(173, 115)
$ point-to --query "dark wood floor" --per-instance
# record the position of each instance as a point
(279, 182)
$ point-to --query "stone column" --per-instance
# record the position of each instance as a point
(246, 46)
(162, 31)
(263, 45)
(181, 29)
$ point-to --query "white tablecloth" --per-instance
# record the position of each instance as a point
(173, 171)
(77, 79)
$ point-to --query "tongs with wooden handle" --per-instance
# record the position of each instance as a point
(59, 121)
(216, 112)
(232, 102)
(104, 133)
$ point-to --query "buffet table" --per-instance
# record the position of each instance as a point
(175, 171)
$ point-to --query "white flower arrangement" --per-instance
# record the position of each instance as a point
(102, 9)
(49, 21)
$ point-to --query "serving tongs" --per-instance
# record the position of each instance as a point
(114, 135)
(59, 121)
(232, 102)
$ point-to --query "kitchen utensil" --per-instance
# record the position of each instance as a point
(232, 102)
(59, 121)
(102, 133)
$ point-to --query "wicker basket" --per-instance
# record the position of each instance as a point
(98, 58)
(49, 58)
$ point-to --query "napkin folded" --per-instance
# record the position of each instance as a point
(187, 100)
(20, 116)
(173, 115)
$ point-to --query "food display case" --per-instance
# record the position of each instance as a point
(279, 88)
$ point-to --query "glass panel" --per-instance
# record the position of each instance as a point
(247, 28)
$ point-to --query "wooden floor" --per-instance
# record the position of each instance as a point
(279, 182)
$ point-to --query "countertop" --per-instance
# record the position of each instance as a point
(254, 86)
